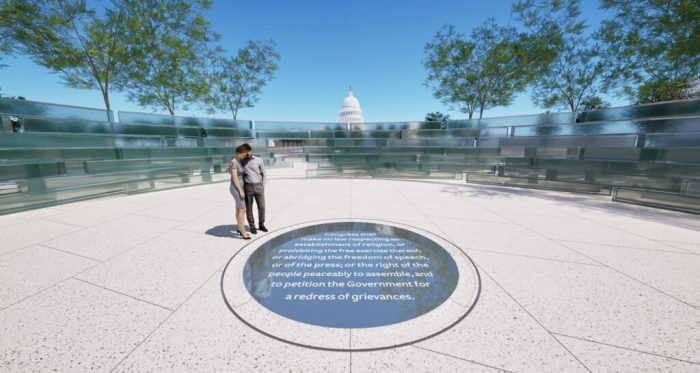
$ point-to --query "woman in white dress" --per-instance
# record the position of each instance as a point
(236, 188)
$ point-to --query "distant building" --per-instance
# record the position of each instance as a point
(350, 112)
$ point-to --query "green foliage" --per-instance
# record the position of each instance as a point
(236, 82)
(550, 20)
(5, 41)
(19, 98)
(651, 48)
(593, 103)
(9, 12)
(665, 90)
(574, 75)
(573, 78)
(482, 71)
(437, 116)
(5, 48)
(168, 52)
(65, 36)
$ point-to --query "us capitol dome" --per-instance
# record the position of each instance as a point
(350, 112)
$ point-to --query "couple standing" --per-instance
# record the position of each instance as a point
(247, 184)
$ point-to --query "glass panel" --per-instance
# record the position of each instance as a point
(673, 140)
(395, 126)
(523, 120)
(42, 109)
(467, 132)
(298, 126)
(47, 160)
(674, 108)
(145, 118)
(659, 199)
(667, 125)
(572, 141)
(149, 118)
(281, 135)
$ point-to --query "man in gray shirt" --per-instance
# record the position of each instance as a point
(254, 186)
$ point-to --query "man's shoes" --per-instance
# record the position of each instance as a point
(253, 230)
(262, 228)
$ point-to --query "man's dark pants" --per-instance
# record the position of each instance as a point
(257, 192)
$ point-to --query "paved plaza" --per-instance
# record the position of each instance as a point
(569, 282)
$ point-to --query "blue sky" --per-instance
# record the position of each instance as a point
(375, 45)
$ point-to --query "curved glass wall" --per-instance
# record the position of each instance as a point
(647, 154)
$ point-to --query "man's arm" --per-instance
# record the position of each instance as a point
(262, 171)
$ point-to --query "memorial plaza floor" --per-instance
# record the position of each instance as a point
(569, 282)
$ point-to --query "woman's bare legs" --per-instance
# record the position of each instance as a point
(240, 219)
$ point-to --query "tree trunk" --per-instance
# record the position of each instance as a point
(105, 97)
(171, 107)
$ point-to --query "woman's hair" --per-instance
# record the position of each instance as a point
(241, 149)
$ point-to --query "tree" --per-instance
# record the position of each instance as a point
(573, 78)
(86, 49)
(437, 116)
(651, 48)
(574, 75)
(657, 91)
(484, 71)
(5, 39)
(550, 20)
(5, 45)
(237, 81)
(593, 103)
(168, 52)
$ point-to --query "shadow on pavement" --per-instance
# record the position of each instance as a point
(224, 231)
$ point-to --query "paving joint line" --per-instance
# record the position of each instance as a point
(534, 257)
(675, 245)
(48, 218)
(534, 318)
(598, 261)
(162, 322)
(460, 358)
(124, 294)
(83, 228)
(638, 280)
(684, 252)
(627, 348)
(68, 252)
(511, 296)
(626, 231)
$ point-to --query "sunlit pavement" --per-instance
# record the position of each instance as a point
(570, 282)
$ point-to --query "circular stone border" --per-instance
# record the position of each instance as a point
(443, 317)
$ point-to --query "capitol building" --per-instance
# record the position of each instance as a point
(350, 111)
